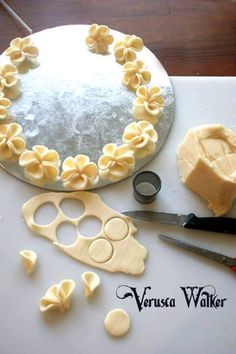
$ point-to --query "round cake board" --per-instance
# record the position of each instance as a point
(74, 101)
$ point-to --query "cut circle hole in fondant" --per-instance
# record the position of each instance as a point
(45, 214)
(66, 233)
(100, 251)
(72, 208)
(116, 229)
(90, 226)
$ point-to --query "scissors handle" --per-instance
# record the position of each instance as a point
(233, 268)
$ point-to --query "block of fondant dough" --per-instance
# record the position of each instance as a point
(207, 164)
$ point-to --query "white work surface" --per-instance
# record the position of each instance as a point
(178, 330)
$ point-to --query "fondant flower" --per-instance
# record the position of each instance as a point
(21, 49)
(135, 74)
(141, 137)
(8, 82)
(11, 142)
(79, 173)
(149, 104)
(29, 259)
(41, 165)
(5, 103)
(58, 296)
(125, 50)
(116, 162)
(99, 38)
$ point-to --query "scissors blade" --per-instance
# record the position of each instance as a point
(217, 257)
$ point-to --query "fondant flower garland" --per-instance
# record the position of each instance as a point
(41, 165)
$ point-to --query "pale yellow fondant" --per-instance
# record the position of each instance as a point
(99, 38)
(116, 162)
(12, 144)
(29, 259)
(135, 74)
(149, 104)
(40, 164)
(91, 282)
(125, 50)
(79, 173)
(141, 137)
(58, 296)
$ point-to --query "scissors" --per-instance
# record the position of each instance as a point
(217, 257)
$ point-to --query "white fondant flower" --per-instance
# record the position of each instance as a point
(58, 296)
(117, 162)
(149, 104)
(41, 165)
(11, 142)
(79, 172)
(8, 82)
(91, 283)
(141, 137)
(21, 49)
(125, 50)
(5, 103)
(99, 38)
(134, 74)
(29, 259)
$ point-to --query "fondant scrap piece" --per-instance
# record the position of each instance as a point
(114, 248)
(58, 296)
(29, 259)
(91, 282)
(117, 322)
(207, 163)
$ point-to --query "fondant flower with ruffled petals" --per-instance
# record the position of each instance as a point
(99, 38)
(79, 172)
(125, 50)
(41, 165)
(116, 162)
(11, 142)
(8, 82)
(149, 104)
(21, 50)
(141, 137)
(58, 296)
(135, 74)
(5, 103)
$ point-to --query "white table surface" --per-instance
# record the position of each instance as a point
(179, 330)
